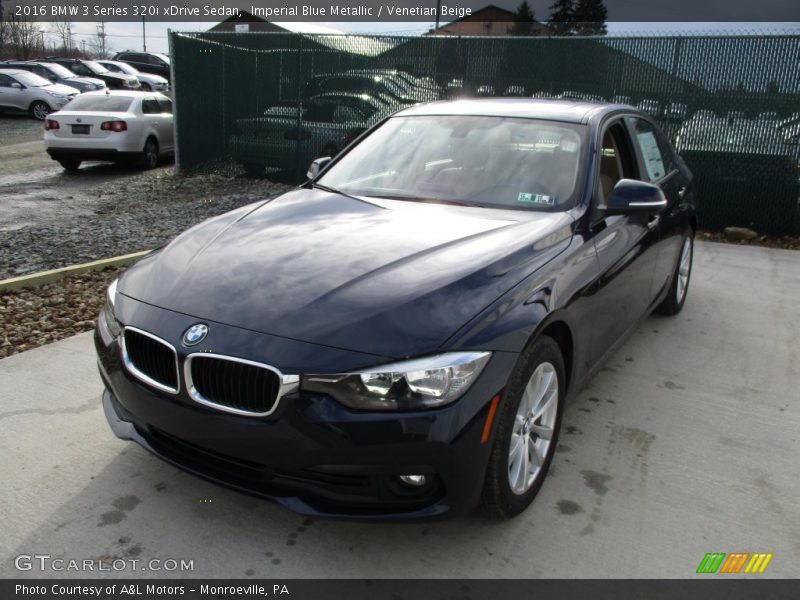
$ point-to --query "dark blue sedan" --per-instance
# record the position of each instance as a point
(397, 337)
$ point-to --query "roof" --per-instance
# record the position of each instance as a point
(129, 94)
(570, 111)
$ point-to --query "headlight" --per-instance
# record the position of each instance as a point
(58, 96)
(114, 326)
(409, 385)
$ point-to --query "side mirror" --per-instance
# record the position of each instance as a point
(631, 196)
(16, 86)
(317, 165)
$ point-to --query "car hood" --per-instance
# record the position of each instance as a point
(59, 88)
(385, 277)
(92, 80)
(151, 78)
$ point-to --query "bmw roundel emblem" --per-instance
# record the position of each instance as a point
(195, 334)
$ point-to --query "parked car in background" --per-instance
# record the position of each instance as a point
(746, 161)
(147, 62)
(676, 111)
(363, 83)
(398, 337)
(328, 123)
(582, 96)
(426, 84)
(56, 73)
(515, 90)
(650, 107)
(148, 81)
(23, 91)
(114, 126)
(91, 68)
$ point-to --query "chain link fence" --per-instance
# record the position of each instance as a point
(269, 103)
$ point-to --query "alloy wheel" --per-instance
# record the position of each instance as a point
(684, 268)
(533, 428)
(41, 110)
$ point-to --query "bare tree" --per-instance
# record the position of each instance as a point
(63, 32)
(23, 35)
(99, 43)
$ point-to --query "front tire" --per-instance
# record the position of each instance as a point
(149, 159)
(673, 303)
(40, 110)
(146, 87)
(69, 164)
(527, 430)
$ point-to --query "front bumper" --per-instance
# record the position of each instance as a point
(311, 455)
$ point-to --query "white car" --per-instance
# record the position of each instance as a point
(27, 92)
(111, 125)
(149, 81)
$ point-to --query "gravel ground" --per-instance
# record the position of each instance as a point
(19, 128)
(37, 316)
(787, 242)
(147, 211)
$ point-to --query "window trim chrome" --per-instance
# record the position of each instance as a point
(288, 384)
(126, 360)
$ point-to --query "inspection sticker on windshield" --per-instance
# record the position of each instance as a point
(536, 199)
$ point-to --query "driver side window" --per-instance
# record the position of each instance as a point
(616, 160)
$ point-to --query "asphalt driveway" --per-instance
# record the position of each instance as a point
(686, 443)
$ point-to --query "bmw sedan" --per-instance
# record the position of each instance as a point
(397, 337)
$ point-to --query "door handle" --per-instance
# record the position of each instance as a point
(653, 221)
(682, 192)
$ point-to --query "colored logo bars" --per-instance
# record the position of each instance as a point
(719, 562)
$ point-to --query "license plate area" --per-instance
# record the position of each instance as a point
(81, 129)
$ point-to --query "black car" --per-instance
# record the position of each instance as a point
(91, 68)
(146, 62)
(397, 337)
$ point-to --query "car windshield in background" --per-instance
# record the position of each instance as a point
(31, 79)
(95, 66)
(125, 68)
(102, 103)
(486, 161)
(59, 71)
(163, 57)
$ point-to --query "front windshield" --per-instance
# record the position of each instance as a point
(498, 162)
(59, 71)
(31, 79)
(95, 66)
(125, 68)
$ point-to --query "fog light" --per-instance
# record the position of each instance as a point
(414, 480)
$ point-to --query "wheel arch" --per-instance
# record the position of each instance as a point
(556, 327)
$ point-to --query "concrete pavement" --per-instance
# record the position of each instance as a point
(686, 443)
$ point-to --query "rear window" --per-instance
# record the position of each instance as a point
(103, 103)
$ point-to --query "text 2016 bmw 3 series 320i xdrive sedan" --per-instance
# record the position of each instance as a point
(397, 337)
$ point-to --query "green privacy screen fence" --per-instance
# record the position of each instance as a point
(268, 103)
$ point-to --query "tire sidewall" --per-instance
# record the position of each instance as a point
(544, 349)
(677, 274)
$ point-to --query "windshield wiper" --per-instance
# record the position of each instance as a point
(330, 190)
(427, 200)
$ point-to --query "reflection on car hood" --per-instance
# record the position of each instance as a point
(390, 278)
(59, 88)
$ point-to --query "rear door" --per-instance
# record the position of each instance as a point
(167, 130)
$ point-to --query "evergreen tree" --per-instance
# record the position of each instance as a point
(590, 17)
(562, 15)
(525, 21)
